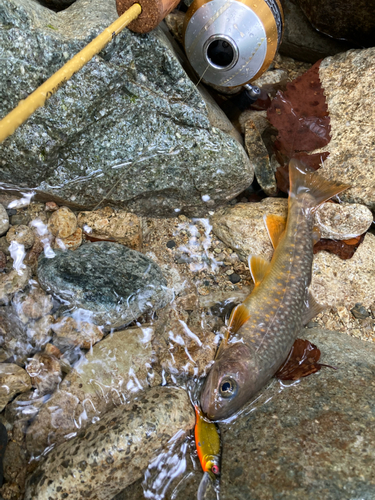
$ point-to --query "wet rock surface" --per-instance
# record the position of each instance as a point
(108, 224)
(114, 370)
(314, 439)
(4, 220)
(116, 450)
(77, 156)
(13, 380)
(88, 279)
(347, 80)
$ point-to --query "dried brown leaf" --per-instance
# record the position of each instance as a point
(302, 361)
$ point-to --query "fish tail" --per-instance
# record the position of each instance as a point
(305, 180)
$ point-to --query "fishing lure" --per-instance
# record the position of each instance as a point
(207, 441)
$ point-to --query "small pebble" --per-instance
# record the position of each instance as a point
(234, 278)
(229, 272)
(359, 312)
(51, 206)
(3, 261)
(11, 211)
(22, 235)
(217, 250)
(171, 244)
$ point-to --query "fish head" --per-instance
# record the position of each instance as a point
(230, 382)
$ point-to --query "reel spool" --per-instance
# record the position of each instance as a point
(229, 43)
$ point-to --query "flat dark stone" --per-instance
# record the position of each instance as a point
(106, 283)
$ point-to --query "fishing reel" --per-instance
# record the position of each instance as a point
(230, 43)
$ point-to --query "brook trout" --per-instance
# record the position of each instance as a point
(264, 327)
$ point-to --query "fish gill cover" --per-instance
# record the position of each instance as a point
(300, 114)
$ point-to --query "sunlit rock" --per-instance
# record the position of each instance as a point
(115, 451)
(71, 242)
(108, 224)
(105, 283)
(109, 375)
(45, 372)
(13, 380)
(62, 223)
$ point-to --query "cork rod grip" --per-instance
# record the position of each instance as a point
(153, 12)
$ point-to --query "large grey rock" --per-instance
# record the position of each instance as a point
(348, 83)
(129, 129)
(114, 452)
(314, 439)
(111, 373)
(107, 283)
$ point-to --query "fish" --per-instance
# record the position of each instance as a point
(261, 331)
(207, 442)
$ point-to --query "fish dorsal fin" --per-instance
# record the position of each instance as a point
(312, 309)
(258, 268)
(238, 317)
(275, 225)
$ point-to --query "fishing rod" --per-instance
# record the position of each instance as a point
(229, 43)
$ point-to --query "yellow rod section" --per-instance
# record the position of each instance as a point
(37, 99)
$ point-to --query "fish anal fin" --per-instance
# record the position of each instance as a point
(275, 225)
(239, 316)
(258, 268)
(312, 309)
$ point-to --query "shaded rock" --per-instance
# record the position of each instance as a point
(359, 311)
(301, 41)
(116, 450)
(62, 222)
(292, 437)
(13, 380)
(352, 21)
(108, 224)
(175, 22)
(3, 261)
(347, 80)
(72, 242)
(13, 282)
(109, 375)
(337, 282)
(108, 154)
(259, 158)
(4, 220)
(45, 372)
(77, 333)
(22, 235)
(272, 80)
(106, 282)
(19, 413)
(3, 443)
(15, 470)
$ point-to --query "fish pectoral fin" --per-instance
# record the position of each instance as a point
(316, 235)
(312, 309)
(258, 268)
(275, 225)
(239, 316)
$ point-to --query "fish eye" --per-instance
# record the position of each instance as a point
(228, 388)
